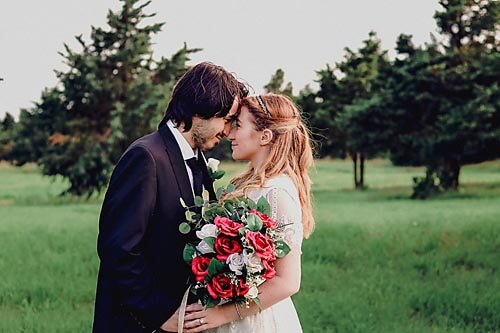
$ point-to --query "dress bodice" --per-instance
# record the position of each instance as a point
(283, 197)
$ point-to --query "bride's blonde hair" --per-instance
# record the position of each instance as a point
(290, 151)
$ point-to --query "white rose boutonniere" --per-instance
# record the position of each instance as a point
(213, 164)
(213, 169)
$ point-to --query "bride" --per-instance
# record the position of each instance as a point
(271, 135)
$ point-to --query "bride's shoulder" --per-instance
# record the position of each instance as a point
(281, 182)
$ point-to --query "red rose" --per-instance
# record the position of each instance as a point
(263, 245)
(225, 246)
(266, 220)
(227, 226)
(242, 288)
(269, 271)
(221, 286)
(199, 266)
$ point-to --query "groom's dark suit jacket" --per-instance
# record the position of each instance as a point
(142, 276)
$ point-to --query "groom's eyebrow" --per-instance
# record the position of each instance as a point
(229, 119)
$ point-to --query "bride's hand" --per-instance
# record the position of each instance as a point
(204, 320)
(171, 324)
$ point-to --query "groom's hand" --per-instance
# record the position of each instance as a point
(171, 324)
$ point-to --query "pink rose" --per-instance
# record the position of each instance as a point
(262, 244)
(227, 226)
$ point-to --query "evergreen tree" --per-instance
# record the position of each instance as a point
(6, 130)
(349, 102)
(445, 96)
(112, 93)
(277, 84)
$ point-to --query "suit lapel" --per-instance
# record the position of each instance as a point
(178, 164)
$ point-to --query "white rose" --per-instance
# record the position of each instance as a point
(253, 263)
(213, 164)
(253, 292)
(236, 263)
(208, 230)
(204, 248)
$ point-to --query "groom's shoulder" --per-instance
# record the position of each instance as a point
(152, 142)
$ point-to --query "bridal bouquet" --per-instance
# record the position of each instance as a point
(236, 248)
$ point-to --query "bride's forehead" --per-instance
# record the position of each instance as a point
(244, 114)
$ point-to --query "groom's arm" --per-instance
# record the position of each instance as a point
(126, 211)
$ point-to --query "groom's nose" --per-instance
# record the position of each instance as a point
(227, 129)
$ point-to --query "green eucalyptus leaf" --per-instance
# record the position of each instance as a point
(219, 192)
(189, 216)
(230, 188)
(208, 214)
(212, 211)
(184, 228)
(198, 201)
(205, 195)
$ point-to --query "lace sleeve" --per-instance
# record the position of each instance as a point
(286, 211)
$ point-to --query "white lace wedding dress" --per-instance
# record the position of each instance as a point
(285, 209)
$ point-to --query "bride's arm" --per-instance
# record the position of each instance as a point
(284, 284)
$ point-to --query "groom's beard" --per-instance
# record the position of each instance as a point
(203, 140)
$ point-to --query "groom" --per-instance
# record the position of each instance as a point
(142, 276)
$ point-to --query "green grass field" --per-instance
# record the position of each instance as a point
(377, 262)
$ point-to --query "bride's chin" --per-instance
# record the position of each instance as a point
(236, 157)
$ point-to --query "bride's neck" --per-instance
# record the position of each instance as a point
(258, 160)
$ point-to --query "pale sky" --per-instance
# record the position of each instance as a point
(249, 38)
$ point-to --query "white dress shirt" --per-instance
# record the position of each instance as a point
(186, 150)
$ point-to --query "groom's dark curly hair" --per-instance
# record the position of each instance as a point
(205, 90)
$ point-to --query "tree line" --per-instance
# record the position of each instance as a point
(436, 105)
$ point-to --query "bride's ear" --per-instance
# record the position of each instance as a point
(266, 137)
